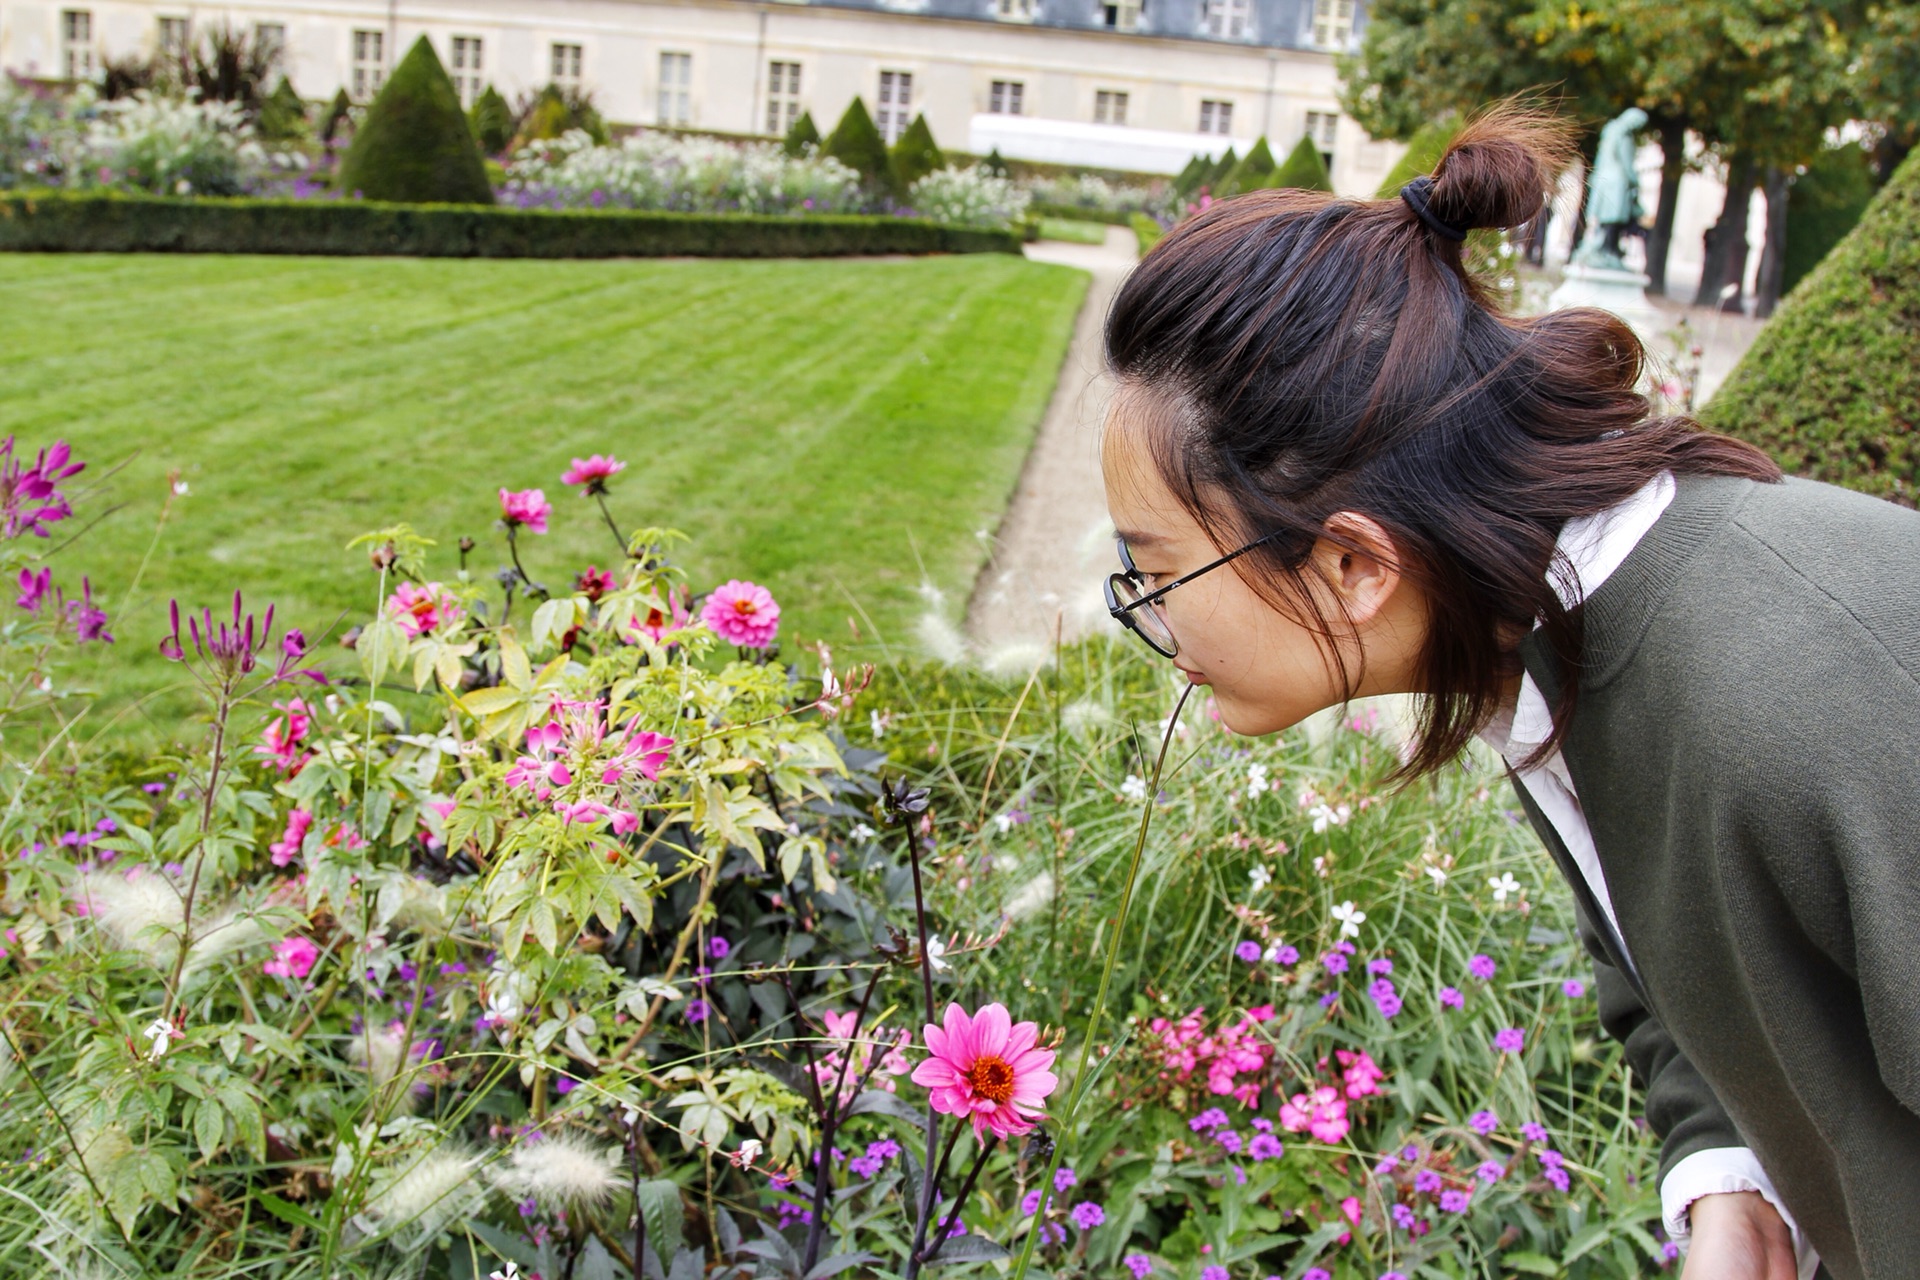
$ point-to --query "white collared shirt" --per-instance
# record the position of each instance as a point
(1595, 546)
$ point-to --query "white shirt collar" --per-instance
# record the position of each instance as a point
(1595, 546)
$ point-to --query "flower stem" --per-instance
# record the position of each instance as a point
(612, 524)
(966, 1189)
(926, 982)
(1100, 997)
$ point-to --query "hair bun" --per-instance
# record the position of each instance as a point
(1501, 166)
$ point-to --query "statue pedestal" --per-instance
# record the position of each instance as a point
(1622, 292)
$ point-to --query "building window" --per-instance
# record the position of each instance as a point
(676, 88)
(270, 38)
(783, 96)
(564, 66)
(369, 63)
(1123, 15)
(1007, 98)
(466, 68)
(1216, 117)
(1109, 106)
(173, 37)
(76, 43)
(1323, 127)
(896, 104)
(1015, 10)
(1333, 23)
(1229, 19)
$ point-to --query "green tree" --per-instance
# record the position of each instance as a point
(1423, 152)
(1188, 180)
(339, 114)
(554, 111)
(414, 144)
(995, 164)
(914, 156)
(1831, 387)
(1824, 204)
(283, 115)
(1252, 171)
(1218, 173)
(491, 120)
(1304, 169)
(855, 143)
(802, 136)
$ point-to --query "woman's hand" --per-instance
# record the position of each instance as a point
(1737, 1235)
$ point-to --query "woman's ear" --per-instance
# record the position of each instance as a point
(1359, 564)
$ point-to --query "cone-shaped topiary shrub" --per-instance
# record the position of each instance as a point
(415, 146)
(491, 120)
(1189, 179)
(914, 157)
(339, 116)
(994, 164)
(1303, 169)
(855, 143)
(1831, 387)
(1252, 171)
(803, 134)
(283, 115)
(1424, 150)
(1218, 173)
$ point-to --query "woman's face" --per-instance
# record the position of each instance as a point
(1267, 668)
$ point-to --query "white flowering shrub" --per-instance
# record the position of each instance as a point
(1087, 191)
(968, 198)
(173, 146)
(38, 135)
(687, 175)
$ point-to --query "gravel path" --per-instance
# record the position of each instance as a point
(1055, 544)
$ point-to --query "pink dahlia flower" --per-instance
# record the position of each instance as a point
(292, 958)
(593, 473)
(528, 507)
(986, 1068)
(742, 613)
(660, 622)
(420, 609)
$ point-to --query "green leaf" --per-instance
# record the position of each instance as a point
(289, 1213)
(661, 1209)
(833, 1266)
(1584, 1242)
(1532, 1263)
(382, 647)
(209, 1126)
(968, 1249)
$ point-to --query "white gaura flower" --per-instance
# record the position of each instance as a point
(1502, 885)
(1134, 788)
(160, 1033)
(749, 1152)
(1325, 816)
(936, 952)
(567, 1172)
(1257, 784)
(1261, 878)
(861, 832)
(509, 1272)
(1350, 919)
(1437, 874)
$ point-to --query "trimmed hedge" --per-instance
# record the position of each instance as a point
(1077, 213)
(1831, 387)
(1148, 232)
(64, 223)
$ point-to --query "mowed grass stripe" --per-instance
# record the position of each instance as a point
(814, 424)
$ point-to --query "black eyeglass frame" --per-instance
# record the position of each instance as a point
(1123, 613)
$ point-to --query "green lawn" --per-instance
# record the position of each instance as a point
(1074, 230)
(829, 428)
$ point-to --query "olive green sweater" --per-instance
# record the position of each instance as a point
(1746, 748)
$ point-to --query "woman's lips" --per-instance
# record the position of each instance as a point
(1193, 677)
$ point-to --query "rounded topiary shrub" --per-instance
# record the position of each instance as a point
(1304, 169)
(856, 143)
(415, 146)
(1831, 387)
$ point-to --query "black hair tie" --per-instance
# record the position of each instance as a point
(1415, 193)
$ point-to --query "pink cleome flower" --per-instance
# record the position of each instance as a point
(528, 507)
(292, 958)
(742, 613)
(287, 847)
(285, 736)
(420, 609)
(593, 473)
(986, 1067)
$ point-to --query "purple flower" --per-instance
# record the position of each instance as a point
(1326, 1001)
(719, 948)
(1228, 1139)
(1335, 962)
(1509, 1040)
(1139, 1264)
(1087, 1215)
(883, 1148)
(1558, 1177)
(1669, 1251)
(1483, 1122)
(1213, 1273)
(1248, 951)
(1344, 947)
(88, 620)
(1392, 1275)
(1551, 1159)
(1453, 1201)
(1403, 1217)
(1385, 1165)
(1573, 989)
(1064, 1177)
(865, 1166)
(697, 1010)
(1265, 1147)
(1286, 955)
(1450, 998)
(30, 498)
(1409, 1153)
(1490, 1171)
(1481, 967)
(1030, 1203)
(1211, 1118)
(1534, 1131)
(1426, 1181)
(1377, 967)
(1388, 1004)
(1316, 1273)
(33, 589)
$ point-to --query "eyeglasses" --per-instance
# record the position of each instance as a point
(1139, 610)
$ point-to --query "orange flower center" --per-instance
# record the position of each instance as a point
(655, 618)
(991, 1078)
(744, 608)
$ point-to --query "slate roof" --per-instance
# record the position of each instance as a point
(1276, 24)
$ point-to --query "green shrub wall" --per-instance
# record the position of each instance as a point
(59, 223)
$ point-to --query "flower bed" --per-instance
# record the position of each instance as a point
(59, 222)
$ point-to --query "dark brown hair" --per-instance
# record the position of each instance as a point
(1314, 355)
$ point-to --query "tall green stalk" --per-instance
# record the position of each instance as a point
(1080, 1077)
